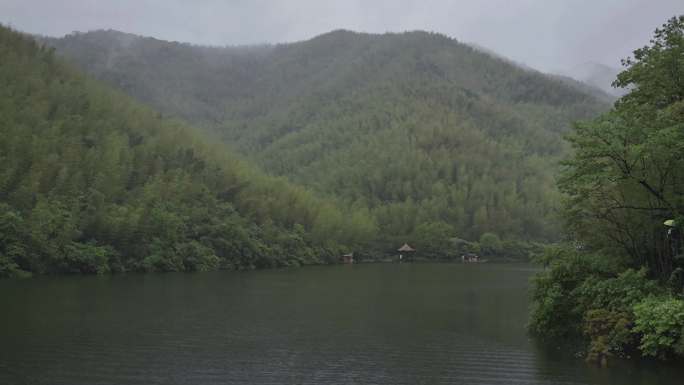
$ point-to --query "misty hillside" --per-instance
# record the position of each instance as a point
(598, 75)
(437, 139)
(93, 182)
(581, 85)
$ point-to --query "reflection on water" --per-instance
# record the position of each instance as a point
(362, 324)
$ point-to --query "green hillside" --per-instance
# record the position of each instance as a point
(437, 139)
(93, 182)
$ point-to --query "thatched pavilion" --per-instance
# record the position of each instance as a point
(405, 249)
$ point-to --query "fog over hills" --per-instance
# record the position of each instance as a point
(595, 79)
(597, 75)
(545, 35)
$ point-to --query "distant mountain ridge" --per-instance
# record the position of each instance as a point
(597, 75)
(427, 133)
(585, 83)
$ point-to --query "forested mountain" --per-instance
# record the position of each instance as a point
(93, 182)
(435, 138)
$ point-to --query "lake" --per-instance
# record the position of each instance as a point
(347, 324)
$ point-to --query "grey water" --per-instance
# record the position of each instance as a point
(351, 324)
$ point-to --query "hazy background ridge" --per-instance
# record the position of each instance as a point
(549, 36)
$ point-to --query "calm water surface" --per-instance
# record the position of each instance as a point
(364, 324)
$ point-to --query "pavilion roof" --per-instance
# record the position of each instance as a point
(406, 247)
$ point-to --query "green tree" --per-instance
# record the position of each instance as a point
(622, 181)
(660, 323)
(490, 244)
(433, 239)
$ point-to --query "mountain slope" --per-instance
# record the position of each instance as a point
(430, 135)
(93, 182)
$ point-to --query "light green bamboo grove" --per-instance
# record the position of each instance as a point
(92, 182)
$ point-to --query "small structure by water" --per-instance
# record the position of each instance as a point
(470, 258)
(348, 258)
(405, 249)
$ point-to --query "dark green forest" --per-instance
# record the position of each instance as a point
(93, 182)
(618, 287)
(439, 142)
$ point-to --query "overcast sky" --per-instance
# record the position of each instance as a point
(548, 35)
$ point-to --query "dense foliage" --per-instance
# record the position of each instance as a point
(434, 138)
(626, 177)
(620, 284)
(92, 182)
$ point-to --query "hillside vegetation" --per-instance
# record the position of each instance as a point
(435, 139)
(94, 182)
